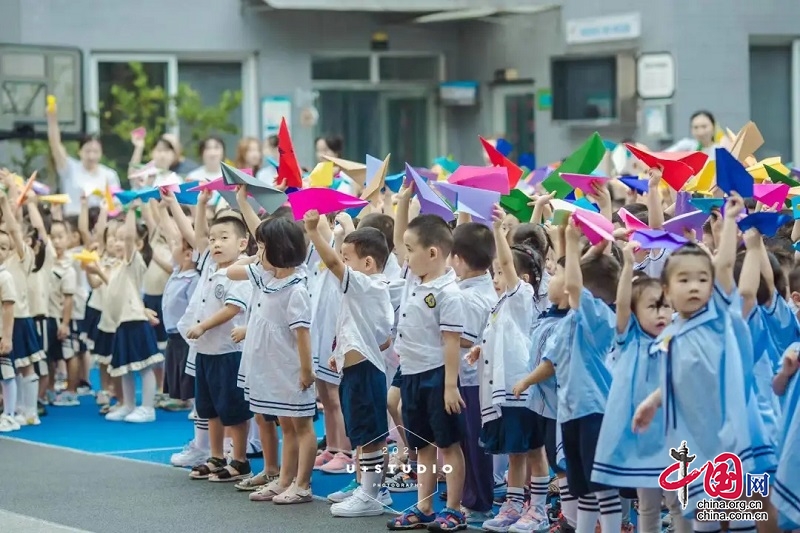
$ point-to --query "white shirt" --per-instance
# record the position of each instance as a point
(427, 310)
(365, 319)
(214, 291)
(479, 299)
(201, 174)
(392, 269)
(75, 180)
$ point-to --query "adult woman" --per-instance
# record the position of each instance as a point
(167, 155)
(332, 146)
(248, 155)
(704, 127)
(212, 153)
(78, 176)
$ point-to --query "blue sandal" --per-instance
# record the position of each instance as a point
(413, 518)
(448, 520)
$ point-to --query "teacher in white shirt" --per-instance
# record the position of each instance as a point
(703, 127)
(76, 176)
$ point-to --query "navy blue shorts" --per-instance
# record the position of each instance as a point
(579, 437)
(216, 394)
(58, 350)
(362, 393)
(177, 383)
(424, 417)
(153, 302)
(547, 427)
(514, 432)
(397, 380)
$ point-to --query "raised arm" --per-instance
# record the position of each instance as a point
(12, 225)
(201, 222)
(129, 232)
(150, 216)
(181, 220)
(788, 369)
(504, 255)
(251, 219)
(749, 277)
(401, 221)
(313, 221)
(624, 288)
(35, 218)
(54, 139)
(572, 264)
(541, 208)
(726, 248)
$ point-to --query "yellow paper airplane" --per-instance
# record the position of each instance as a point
(51, 103)
(86, 257)
(759, 173)
(356, 171)
(55, 198)
(705, 179)
(109, 198)
(322, 175)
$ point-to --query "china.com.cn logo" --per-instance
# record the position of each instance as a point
(392, 469)
(723, 481)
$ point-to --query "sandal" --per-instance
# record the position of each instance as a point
(412, 518)
(235, 471)
(267, 492)
(448, 520)
(203, 471)
(255, 482)
(292, 495)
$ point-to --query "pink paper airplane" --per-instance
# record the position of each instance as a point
(595, 226)
(583, 182)
(487, 178)
(322, 199)
(771, 194)
(631, 222)
(214, 185)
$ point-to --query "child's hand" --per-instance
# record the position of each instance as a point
(573, 232)
(92, 268)
(311, 220)
(542, 200)
(332, 364)
(752, 238)
(629, 250)
(282, 185)
(5, 346)
(241, 194)
(654, 176)
(306, 379)
(734, 206)
(406, 193)
(600, 194)
(519, 388)
(238, 334)
(195, 332)
(790, 362)
(498, 215)
(168, 197)
(344, 220)
(152, 317)
(473, 355)
(644, 415)
(63, 331)
(453, 403)
(203, 198)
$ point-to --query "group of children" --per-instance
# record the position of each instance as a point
(477, 340)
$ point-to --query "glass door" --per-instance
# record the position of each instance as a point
(355, 116)
(514, 112)
(408, 128)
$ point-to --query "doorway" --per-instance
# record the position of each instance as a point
(771, 98)
(514, 117)
(402, 122)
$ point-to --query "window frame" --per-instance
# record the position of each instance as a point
(375, 69)
(249, 83)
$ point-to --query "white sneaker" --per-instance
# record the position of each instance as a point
(385, 497)
(66, 399)
(23, 420)
(119, 414)
(142, 415)
(190, 456)
(359, 504)
(8, 424)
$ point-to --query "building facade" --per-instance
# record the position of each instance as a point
(740, 60)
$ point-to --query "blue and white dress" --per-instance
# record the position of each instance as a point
(785, 485)
(703, 384)
(624, 458)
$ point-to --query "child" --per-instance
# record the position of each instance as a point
(471, 257)
(278, 377)
(7, 296)
(508, 424)
(218, 306)
(712, 341)
(134, 347)
(59, 333)
(784, 486)
(363, 329)
(642, 314)
(428, 342)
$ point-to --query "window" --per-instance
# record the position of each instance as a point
(378, 67)
(584, 89)
(409, 68)
(209, 78)
(340, 68)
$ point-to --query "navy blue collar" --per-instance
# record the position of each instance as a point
(554, 312)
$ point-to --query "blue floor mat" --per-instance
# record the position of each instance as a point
(82, 428)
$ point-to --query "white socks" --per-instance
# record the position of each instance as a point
(569, 503)
(129, 391)
(610, 510)
(9, 396)
(370, 476)
(148, 387)
(201, 434)
(539, 492)
(30, 395)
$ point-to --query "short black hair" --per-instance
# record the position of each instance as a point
(601, 276)
(369, 242)
(474, 244)
(433, 231)
(283, 211)
(228, 218)
(283, 241)
(382, 223)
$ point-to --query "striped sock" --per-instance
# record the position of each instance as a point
(569, 503)
(610, 510)
(587, 513)
(370, 473)
(516, 495)
(539, 491)
(201, 439)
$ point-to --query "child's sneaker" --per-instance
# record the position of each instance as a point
(510, 513)
(66, 399)
(402, 482)
(532, 520)
(102, 398)
(141, 415)
(27, 420)
(322, 458)
(359, 504)
(60, 382)
(561, 526)
(85, 389)
(41, 408)
(344, 493)
(339, 465)
(476, 517)
(8, 424)
(190, 456)
(118, 413)
(385, 497)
